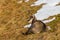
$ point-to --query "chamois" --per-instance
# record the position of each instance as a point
(37, 26)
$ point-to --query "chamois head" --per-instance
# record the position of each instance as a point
(31, 19)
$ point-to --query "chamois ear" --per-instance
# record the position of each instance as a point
(33, 16)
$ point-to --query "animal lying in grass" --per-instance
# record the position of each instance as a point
(36, 26)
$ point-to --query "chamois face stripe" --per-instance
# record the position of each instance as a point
(30, 21)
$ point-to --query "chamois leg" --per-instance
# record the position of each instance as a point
(29, 31)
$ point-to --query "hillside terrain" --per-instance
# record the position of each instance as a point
(13, 16)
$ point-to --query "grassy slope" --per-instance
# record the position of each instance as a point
(13, 17)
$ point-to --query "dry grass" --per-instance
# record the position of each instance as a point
(13, 16)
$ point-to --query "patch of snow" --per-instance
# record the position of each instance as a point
(47, 21)
(58, 4)
(26, 0)
(20, 1)
(47, 10)
(48, 27)
(49, 2)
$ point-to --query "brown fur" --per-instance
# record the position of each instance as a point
(36, 27)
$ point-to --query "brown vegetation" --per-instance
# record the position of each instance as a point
(13, 16)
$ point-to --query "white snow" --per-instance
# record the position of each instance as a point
(49, 2)
(26, 0)
(20, 1)
(47, 10)
(49, 28)
(47, 21)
